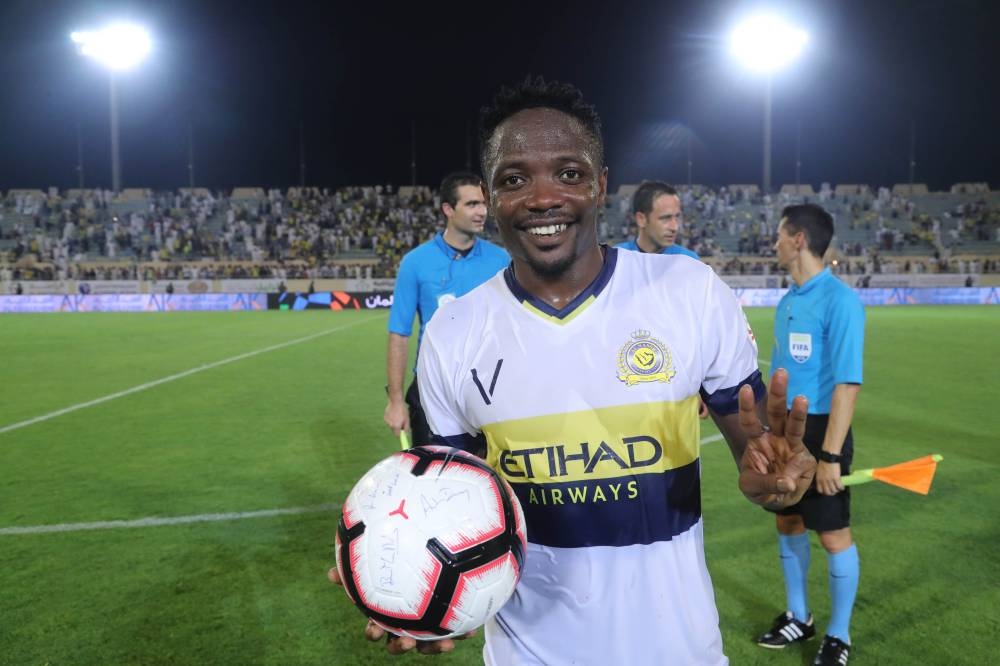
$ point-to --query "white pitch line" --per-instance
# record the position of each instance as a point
(183, 520)
(158, 522)
(179, 375)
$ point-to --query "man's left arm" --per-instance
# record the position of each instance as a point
(847, 342)
(828, 481)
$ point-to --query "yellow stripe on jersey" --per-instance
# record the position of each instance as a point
(564, 320)
(605, 443)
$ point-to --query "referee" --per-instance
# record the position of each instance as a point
(449, 265)
(819, 339)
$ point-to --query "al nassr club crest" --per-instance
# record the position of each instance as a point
(643, 358)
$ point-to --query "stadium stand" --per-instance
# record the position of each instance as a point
(970, 188)
(801, 190)
(362, 232)
(851, 190)
(909, 189)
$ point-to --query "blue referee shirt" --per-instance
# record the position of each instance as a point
(670, 249)
(434, 273)
(819, 338)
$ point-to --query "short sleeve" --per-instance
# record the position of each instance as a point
(439, 397)
(405, 297)
(847, 339)
(729, 350)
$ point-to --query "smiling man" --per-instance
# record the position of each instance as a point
(574, 374)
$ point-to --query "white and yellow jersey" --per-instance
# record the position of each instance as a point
(591, 414)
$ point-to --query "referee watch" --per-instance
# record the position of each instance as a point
(826, 456)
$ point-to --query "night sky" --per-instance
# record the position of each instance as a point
(357, 76)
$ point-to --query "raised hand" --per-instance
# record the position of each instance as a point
(776, 469)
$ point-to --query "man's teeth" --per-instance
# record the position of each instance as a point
(550, 230)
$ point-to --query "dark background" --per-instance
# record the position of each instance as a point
(357, 76)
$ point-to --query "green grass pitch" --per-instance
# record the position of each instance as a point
(297, 425)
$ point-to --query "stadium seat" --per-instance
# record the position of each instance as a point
(626, 191)
(970, 188)
(852, 190)
(909, 189)
(248, 193)
(800, 190)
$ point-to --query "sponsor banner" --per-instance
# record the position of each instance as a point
(752, 281)
(38, 287)
(329, 300)
(132, 302)
(890, 281)
(369, 284)
(263, 285)
(380, 300)
(113, 287)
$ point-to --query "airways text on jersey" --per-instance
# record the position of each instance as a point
(609, 476)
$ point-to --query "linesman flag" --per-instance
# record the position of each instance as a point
(915, 475)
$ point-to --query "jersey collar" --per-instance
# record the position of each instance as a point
(577, 304)
(451, 252)
(812, 282)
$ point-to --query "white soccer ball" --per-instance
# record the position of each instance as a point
(431, 543)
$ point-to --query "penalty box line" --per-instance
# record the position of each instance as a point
(179, 375)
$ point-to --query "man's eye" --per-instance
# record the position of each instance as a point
(511, 180)
(571, 174)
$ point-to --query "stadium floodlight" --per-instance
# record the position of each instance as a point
(119, 47)
(765, 43)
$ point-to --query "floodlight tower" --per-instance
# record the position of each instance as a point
(119, 47)
(764, 44)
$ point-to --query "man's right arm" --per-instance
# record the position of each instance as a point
(405, 304)
(397, 414)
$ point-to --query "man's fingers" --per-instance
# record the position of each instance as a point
(400, 644)
(757, 486)
(796, 426)
(777, 402)
(749, 421)
(334, 576)
(373, 632)
(435, 647)
(757, 460)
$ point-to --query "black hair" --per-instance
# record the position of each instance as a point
(536, 93)
(454, 180)
(814, 222)
(647, 193)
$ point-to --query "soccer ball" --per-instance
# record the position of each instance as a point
(431, 543)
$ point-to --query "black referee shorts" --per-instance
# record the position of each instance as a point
(824, 513)
(420, 430)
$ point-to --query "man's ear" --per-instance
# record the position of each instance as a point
(448, 210)
(486, 197)
(640, 220)
(801, 242)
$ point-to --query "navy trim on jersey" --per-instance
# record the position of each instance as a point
(593, 289)
(727, 401)
(670, 506)
(474, 444)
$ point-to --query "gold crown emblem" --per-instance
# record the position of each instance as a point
(643, 359)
